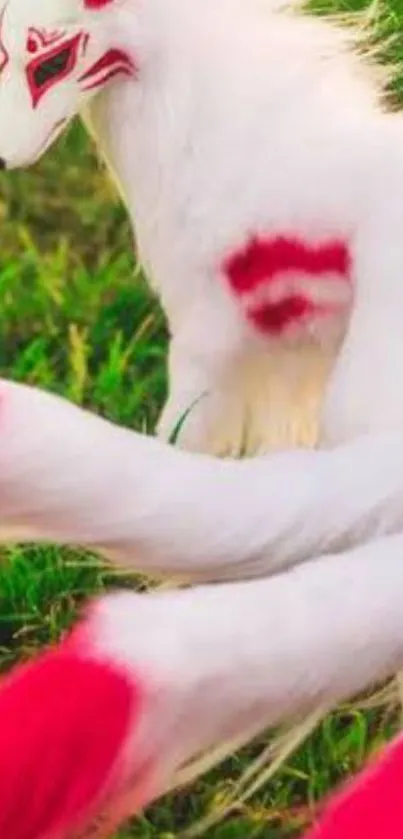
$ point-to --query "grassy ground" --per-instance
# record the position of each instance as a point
(75, 321)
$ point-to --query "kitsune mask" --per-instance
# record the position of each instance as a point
(54, 54)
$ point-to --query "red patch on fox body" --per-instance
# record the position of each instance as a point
(273, 317)
(281, 280)
(64, 720)
(263, 260)
(370, 807)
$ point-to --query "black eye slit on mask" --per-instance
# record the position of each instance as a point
(52, 67)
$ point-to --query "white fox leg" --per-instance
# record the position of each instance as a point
(67, 476)
(197, 411)
(205, 404)
(190, 415)
(157, 680)
(366, 391)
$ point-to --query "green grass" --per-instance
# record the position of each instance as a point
(77, 318)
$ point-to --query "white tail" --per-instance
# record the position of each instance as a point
(238, 657)
(68, 476)
(195, 670)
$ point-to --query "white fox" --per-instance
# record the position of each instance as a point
(264, 180)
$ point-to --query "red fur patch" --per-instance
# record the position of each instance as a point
(63, 722)
(273, 317)
(370, 807)
(265, 263)
(262, 260)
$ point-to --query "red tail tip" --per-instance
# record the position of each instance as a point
(64, 720)
(370, 807)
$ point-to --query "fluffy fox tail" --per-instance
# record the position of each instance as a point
(151, 689)
(67, 476)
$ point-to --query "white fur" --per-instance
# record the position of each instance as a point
(68, 476)
(223, 662)
(243, 118)
(240, 128)
(220, 662)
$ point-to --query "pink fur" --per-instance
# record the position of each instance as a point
(57, 772)
(371, 806)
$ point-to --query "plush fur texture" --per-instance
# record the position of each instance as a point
(130, 670)
(263, 179)
(57, 773)
(70, 477)
(308, 638)
(247, 141)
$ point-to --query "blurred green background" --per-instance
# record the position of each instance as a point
(77, 318)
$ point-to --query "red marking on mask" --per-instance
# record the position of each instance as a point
(269, 264)
(114, 62)
(4, 56)
(39, 38)
(370, 807)
(96, 4)
(48, 69)
(85, 43)
(64, 720)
